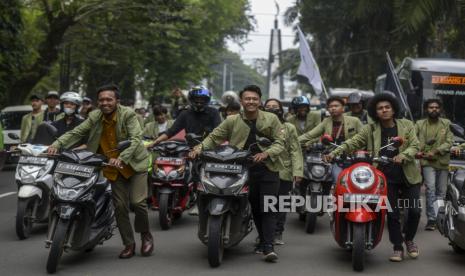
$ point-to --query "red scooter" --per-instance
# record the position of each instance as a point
(171, 179)
(360, 194)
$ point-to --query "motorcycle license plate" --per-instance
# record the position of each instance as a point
(169, 161)
(359, 198)
(33, 160)
(74, 169)
(223, 168)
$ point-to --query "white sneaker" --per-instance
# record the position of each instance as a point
(194, 211)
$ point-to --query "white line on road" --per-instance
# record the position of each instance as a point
(7, 194)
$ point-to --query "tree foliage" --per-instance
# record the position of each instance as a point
(146, 45)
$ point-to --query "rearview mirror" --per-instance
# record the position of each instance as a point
(457, 130)
(264, 142)
(123, 145)
(13, 136)
(326, 139)
(397, 141)
(193, 139)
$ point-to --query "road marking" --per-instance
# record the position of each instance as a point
(7, 194)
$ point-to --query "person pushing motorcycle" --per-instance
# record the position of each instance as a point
(403, 175)
(105, 127)
(243, 130)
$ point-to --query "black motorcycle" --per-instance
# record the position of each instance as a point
(451, 211)
(82, 214)
(225, 215)
(317, 183)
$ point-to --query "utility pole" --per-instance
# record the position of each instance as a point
(275, 88)
(225, 67)
(231, 86)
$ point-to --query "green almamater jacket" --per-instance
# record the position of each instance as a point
(352, 126)
(151, 129)
(26, 126)
(369, 138)
(292, 156)
(364, 114)
(313, 119)
(234, 130)
(127, 128)
(440, 132)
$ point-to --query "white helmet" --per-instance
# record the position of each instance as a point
(71, 97)
(229, 97)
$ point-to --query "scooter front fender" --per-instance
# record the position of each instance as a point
(218, 206)
(361, 215)
(28, 191)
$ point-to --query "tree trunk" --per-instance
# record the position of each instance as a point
(48, 54)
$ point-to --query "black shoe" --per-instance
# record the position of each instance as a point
(258, 249)
(430, 225)
(269, 254)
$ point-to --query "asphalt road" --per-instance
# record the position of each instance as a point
(179, 252)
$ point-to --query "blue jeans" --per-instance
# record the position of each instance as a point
(436, 185)
(336, 170)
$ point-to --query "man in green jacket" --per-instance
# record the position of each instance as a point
(31, 121)
(292, 158)
(242, 131)
(104, 129)
(355, 103)
(338, 125)
(435, 142)
(403, 176)
(304, 120)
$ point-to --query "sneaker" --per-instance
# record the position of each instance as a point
(258, 249)
(194, 211)
(430, 225)
(397, 256)
(412, 249)
(278, 239)
(269, 255)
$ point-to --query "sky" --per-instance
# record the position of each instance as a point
(259, 40)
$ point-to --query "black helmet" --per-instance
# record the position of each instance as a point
(300, 101)
(199, 92)
(354, 98)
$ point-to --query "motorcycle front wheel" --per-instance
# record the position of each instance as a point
(57, 246)
(215, 241)
(358, 246)
(24, 217)
(165, 215)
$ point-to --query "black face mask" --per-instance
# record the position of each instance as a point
(276, 111)
(434, 115)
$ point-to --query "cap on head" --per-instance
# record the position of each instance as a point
(52, 94)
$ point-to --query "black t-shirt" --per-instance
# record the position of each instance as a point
(252, 138)
(51, 116)
(393, 172)
(338, 128)
(199, 123)
(63, 127)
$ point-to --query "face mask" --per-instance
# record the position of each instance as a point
(69, 111)
(276, 111)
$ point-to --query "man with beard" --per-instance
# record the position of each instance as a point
(304, 120)
(435, 142)
(403, 175)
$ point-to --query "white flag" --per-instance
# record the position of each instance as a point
(308, 67)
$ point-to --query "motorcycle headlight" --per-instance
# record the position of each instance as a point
(173, 175)
(161, 173)
(71, 188)
(362, 177)
(318, 171)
